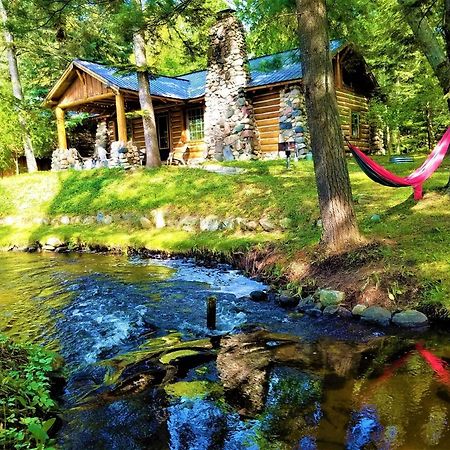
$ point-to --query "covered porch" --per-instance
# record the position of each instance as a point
(116, 126)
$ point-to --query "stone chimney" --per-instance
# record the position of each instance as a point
(229, 119)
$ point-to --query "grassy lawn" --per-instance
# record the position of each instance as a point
(417, 235)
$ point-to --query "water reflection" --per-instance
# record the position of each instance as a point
(145, 373)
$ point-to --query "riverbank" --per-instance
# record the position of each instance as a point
(264, 220)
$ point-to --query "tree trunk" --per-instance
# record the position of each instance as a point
(429, 122)
(447, 46)
(427, 40)
(153, 158)
(17, 89)
(438, 57)
(447, 28)
(389, 140)
(333, 183)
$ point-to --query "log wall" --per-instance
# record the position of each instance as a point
(178, 135)
(349, 102)
(137, 132)
(266, 107)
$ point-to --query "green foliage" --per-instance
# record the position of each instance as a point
(25, 399)
(10, 137)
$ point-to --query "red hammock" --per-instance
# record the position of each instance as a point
(383, 176)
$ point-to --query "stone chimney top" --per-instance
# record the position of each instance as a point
(224, 13)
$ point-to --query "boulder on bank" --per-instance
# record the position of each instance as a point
(159, 218)
(54, 242)
(145, 223)
(306, 303)
(338, 311)
(107, 220)
(377, 315)
(410, 318)
(210, 223)
(249, 225)
(358, 310)
(267, 224)
(189, 224)
(329, 297)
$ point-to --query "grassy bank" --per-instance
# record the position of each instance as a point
(25, 399)
(410, 265)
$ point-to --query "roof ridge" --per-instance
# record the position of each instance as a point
(250, 59)
(274, 54)
(113, 67)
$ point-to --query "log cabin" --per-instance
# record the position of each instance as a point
(238, 108)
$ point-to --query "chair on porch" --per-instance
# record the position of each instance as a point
(176, 157)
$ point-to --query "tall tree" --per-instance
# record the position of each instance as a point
(438, 55)
(340, 229)
(428, 40)
(153, 158)
(17, 89)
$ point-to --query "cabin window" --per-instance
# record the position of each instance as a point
(196, 124)
(356, 124)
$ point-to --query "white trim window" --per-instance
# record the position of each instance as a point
(196, 124)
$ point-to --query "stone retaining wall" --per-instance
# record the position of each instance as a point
(158, 219)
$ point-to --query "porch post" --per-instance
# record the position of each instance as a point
(121, 119)
(61, 127)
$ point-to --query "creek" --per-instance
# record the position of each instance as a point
(144, 372)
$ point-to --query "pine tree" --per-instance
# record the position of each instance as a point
(333, 183)
(17, 89)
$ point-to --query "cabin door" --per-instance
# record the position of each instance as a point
(162, 128)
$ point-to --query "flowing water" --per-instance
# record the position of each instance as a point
(144, 372)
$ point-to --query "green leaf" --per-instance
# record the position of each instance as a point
(48, 424)
(38, 432)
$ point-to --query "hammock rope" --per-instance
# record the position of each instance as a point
(382, 176)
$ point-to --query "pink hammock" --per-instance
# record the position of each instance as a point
(383, 176)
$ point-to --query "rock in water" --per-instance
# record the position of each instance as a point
(258, 296)
(376, 315)
(410, 319)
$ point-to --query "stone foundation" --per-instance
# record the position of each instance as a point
(230, 130)
(293, 120)
(125, 156)
(63, 159)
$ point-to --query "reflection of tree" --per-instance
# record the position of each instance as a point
(243, 363)
(293, 409)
